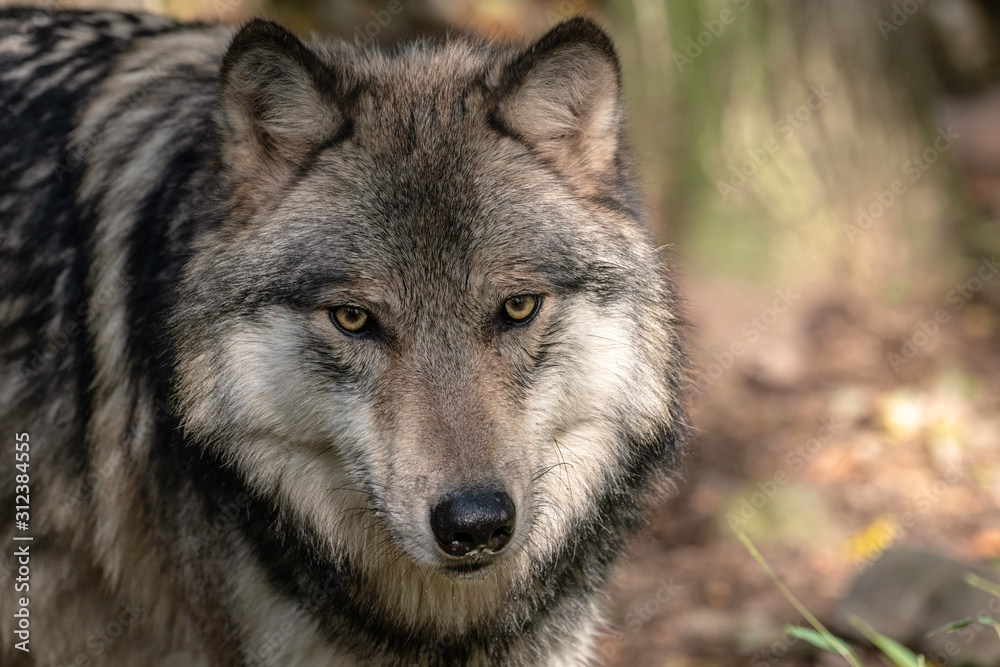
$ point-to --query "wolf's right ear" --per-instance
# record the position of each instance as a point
(277, 106)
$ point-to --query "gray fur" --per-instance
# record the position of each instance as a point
(183, 210)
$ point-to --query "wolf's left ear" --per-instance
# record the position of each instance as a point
(277, 105)
(563, 95)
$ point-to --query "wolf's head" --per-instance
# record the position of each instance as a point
(432, 325)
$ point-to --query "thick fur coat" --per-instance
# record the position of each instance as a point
(266, 307)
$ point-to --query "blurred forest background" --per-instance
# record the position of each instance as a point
(827, 177)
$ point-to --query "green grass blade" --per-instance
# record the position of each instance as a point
(840, 646)
(989, 620)
(951, 627)
(895, 651)
(992, 589)
(817, 639)
(983, 584)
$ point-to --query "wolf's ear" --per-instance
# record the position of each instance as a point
(563, 95)
(277, 105)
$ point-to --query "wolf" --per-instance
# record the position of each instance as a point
(313, 354)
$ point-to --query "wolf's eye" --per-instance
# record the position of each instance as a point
(521, 308)
(351, 319)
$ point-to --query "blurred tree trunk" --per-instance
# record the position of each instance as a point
(799, 141)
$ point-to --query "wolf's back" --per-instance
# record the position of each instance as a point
(75, 149)
(45, 79)
(54, 69)
(91, 138)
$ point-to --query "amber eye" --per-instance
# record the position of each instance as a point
(351, 319)
(519, 309)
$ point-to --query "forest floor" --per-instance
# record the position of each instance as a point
(826, 440)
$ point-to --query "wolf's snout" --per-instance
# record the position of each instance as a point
(476, 519)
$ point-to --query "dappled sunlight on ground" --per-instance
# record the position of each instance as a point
(826, 450)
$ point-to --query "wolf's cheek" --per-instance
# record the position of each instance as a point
(595, 379)
(272, 378)
(280, 409)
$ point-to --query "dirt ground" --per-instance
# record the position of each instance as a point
(826, 439)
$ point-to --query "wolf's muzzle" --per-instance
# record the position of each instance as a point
(473, 521)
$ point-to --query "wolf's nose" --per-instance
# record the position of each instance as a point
(473, 519)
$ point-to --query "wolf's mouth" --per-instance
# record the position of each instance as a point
(471, 568)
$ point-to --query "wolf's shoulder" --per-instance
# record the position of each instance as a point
(75, 30)
(61, 57)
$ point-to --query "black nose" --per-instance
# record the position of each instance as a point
(473, 519)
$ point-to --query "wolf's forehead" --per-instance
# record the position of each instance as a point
(429, 87)
(388, 244)
(476, 209)
(418, 69)
(445, 248)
